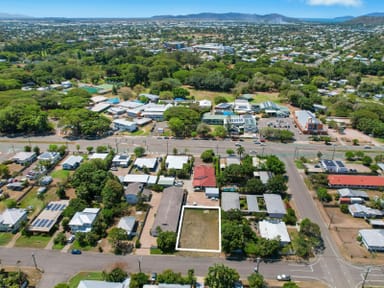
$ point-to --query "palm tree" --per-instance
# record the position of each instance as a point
(240, 151)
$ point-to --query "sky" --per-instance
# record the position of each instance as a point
(148, 8)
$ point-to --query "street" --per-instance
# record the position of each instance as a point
(329, 267)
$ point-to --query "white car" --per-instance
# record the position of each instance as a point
(283, 277)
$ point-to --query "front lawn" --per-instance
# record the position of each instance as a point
(75, 280)
(34, 241)
(5, 238)
(60, 174)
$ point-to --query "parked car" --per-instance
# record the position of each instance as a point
(153, 276)
(71, 239)
(75, 251)
(283, 277)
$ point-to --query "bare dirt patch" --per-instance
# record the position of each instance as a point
(200, 229)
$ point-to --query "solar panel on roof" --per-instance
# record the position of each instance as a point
(42, 223)
(54, 208)
(49, 223)
(35, 223)
(340, 164)
(62, 207)
(48, 206)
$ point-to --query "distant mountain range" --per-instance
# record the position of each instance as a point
(372, 18)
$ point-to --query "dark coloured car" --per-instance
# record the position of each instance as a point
(75, 252)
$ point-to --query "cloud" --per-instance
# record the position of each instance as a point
(354, 3)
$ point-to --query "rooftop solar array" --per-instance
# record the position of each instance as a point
(55, 207)
(340, 164)
(42, 223)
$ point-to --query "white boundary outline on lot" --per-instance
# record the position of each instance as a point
(180, 226)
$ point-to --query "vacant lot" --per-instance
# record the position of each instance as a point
(200, 229)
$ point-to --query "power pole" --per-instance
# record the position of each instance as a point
(365, 276)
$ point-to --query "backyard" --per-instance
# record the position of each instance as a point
(200, 229)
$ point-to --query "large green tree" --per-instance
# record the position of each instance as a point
(220, 276)
(166, 241)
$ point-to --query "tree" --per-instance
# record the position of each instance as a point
(254, 186)
(112, 193)
(203, 130)
(275, 165)
(349, 155)
(139, 151)
(220, 276)
(170, 277)
(220, 132)
(207, 156)
(177, 126)
(116, 235)
(240, 151)
(4, 171)
(138, 280)
(319, 155)
(366, 160)
(277, 184)
(116, 275)
(230, 152)
(290, 285)
(220, 99)
(256, 280)
(166, 241)
(323, 195)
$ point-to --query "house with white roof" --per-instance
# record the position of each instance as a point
(155, 111)
(373, 239)
(51, 157)
(128, 223)
(11, 219)
(83, 221)
(103, 284)
(150, 163)
(72, 162)
(100, 156)
(176, 161)
(272, 229)
(24, 158)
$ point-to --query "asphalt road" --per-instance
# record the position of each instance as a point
(328, 267)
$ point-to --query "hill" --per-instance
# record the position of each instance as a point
(12, 16)
(240, 17)
(369, 19)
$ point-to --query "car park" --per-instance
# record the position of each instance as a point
(283, 277)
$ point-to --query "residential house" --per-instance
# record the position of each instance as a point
(132, 193)
(101, 156)
(100, 107)
(166, 181)
(103, 284)
(151, 97)
(24, 158)
(11, 219)
(275, 206)
(264, 176)
(46, 180)
(176, 161)
(205, 104)
(149, 163)
(47, 218)
(351, 193)
(121, 160)
(50, 157)
(230, 200)
(139, 178)
(72, 162)
(124, 125)
(373, 239)
(361, 211)
(128, 223)
(155, 111)
(241, 106)
(274, 230)
(168, 212)
(83, 221)
(204, 177)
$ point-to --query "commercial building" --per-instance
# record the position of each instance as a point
(355, 181)
(124, 125)
(333, 166)
(168, 213)
(307, 122)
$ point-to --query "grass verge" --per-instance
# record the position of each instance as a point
(5, 238)
(75, 280)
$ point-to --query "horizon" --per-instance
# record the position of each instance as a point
(122, 9)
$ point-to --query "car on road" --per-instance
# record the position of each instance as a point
(283, 277)
(237, 144)
(367, 147)
(256, 142)
(153, 276)
(75, 251)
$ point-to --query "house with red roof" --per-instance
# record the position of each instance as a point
(355, 181)
(204, 176)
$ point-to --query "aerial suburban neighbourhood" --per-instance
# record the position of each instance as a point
(205, 150)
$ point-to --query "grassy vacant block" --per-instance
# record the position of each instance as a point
(34, 241)
(200, 229)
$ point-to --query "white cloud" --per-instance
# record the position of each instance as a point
(335, 2)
